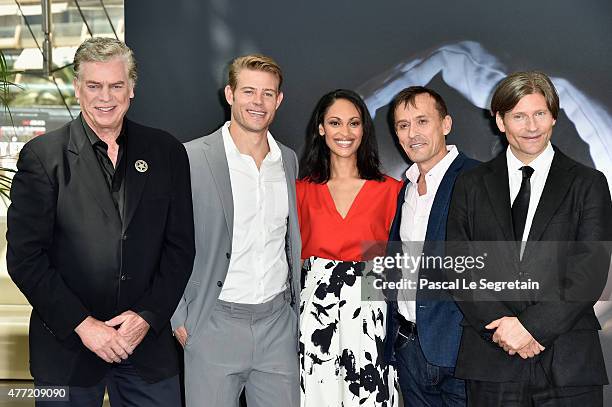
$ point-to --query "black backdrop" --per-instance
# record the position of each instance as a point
(183, 48)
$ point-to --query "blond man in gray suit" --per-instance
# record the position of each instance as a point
(237, 320)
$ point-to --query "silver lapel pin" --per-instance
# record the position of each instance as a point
(141, 165)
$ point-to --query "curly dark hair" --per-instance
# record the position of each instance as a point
(315, 161)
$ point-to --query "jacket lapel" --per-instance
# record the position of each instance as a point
(439, 210)
(290, 177)
(87, 169)
(214, 152)
(136, 150)
(557, 185)
(292, 223)
(394, 233)
(496, 183)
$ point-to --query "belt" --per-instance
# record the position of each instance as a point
(407, 328)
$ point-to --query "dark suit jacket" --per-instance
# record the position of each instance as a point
(438, 319)
(71, 256)
(574, 207)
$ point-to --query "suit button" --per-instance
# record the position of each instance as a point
(123, 277)
(124, 236)
(228, 255)
(219, 284)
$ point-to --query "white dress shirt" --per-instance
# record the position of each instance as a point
(258, 266)
(415, 217)
(541, 166)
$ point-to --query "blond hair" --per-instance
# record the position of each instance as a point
(255, 62)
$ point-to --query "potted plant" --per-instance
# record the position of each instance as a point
(4, 81)
(5, 173)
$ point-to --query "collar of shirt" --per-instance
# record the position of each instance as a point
(93, 137)
(435, 175)
(273, 155)
(540, 165)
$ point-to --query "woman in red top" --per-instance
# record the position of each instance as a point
(345, 208)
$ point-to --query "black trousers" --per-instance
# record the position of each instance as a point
(125, 389)
(536, 391)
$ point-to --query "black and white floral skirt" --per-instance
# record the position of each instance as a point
(341, 339)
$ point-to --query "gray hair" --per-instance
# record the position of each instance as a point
(101, 49)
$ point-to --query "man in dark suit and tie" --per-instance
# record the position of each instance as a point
(534, 349)
(423, 335)
(101, 243)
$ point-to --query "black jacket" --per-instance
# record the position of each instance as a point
(71, 255)
(574, 207)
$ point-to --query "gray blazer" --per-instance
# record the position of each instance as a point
(213, 213)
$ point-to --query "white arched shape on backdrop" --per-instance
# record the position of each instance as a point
(468, 68)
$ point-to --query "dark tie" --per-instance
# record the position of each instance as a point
(521, 203)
